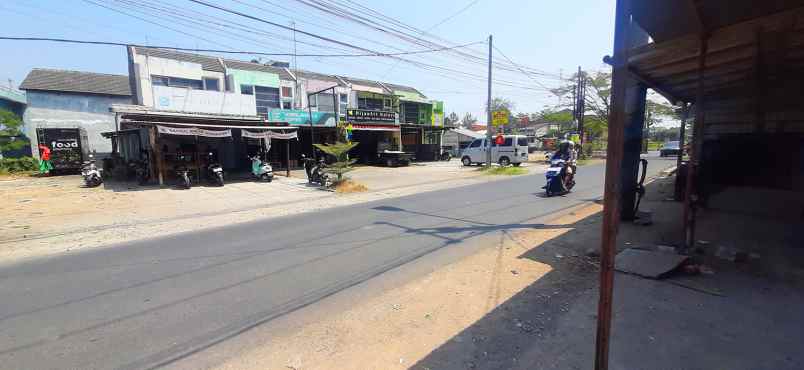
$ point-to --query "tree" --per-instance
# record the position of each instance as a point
(468, 120)
(10, 132)
(340, 151)
(452, 119)
(597, 102)
(561, 119)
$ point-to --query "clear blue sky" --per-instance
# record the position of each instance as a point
(551, 36)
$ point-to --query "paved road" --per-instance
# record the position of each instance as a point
(151, 303)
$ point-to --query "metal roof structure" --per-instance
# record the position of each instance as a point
(77, 82)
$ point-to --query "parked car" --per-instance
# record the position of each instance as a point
(514, 150)
(669, 148)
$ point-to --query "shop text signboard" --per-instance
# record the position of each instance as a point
(499, 117)
(362, 115)
(301, 117)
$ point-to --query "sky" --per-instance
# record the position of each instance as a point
(552, 37)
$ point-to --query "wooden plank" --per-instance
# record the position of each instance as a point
(611, 191)
(700, 114)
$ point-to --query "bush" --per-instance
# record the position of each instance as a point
(15, 165)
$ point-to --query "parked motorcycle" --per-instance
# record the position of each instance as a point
(261, 170)
(92, 174)
(141, 171)
(315, 171)
(214, 170)
(445, 156)
(560, 178)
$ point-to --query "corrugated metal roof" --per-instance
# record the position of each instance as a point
(207, 63)
(248, 66)
(404, 88)
(317, 76)
(75, 81)
(13, 95)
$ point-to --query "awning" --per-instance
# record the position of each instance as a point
(215, 126)
(364, 127)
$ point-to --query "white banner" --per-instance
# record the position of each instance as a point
(193, 131)
(269, 135)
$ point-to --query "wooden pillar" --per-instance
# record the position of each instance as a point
(697, 142)
(287, 157)
(611, 192)
(159, 157)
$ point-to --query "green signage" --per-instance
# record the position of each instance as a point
(300, 117)
(254, 78)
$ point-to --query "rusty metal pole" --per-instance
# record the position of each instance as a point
(685, 111)
(611, 192)
(697, 137)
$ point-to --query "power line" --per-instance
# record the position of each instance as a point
(72, 41)
(522, 70)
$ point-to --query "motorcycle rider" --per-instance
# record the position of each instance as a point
(567, 152)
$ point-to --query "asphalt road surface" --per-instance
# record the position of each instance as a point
(148, 304)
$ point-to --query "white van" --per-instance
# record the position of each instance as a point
(514, 150)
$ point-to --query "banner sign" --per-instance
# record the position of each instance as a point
(270, 135)
(193, 131)
(301, 117)
(362, 115)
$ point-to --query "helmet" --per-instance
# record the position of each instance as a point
(566, 145)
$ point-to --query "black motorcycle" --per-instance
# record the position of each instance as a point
(315, 171)
(214, 170)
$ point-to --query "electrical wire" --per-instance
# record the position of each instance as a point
(216, 50)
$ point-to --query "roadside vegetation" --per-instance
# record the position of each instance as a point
(18, 166)
(342, 166)
(503, 171)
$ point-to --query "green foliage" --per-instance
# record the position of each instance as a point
(505, 171)
(452, 119)
(16, 165)
(10, 124)
(340, 151)
(468, 120)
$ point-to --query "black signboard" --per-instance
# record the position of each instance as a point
(362, 115)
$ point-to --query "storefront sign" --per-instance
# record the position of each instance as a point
(361, 115)
(193, 131)
(270, 135)
(298, 117)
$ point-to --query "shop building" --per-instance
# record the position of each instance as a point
(72, 99)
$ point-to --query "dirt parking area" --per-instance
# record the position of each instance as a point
(58, 214)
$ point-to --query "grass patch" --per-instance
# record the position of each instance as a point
(504, 171)
(349, 186)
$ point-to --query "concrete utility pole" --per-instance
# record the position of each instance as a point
(488, 114)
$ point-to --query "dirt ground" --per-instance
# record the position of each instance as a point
(528, 301)
(46, 215)
(400, 327)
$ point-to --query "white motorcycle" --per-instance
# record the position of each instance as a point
(92, 174)
(261, 170)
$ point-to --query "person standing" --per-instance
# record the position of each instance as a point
(44, 159)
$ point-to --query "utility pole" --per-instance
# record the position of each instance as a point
(581, 102)
(488, 114)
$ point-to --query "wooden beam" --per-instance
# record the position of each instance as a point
(697, 133)
(681, 132)
(663, 91)
(611, 190)
(696, 13)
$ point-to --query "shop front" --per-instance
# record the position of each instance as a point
(377, 132)
(169, 142)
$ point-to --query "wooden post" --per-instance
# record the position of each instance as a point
(611, 192)
(158, 155)
(697, 141)
(287, 157)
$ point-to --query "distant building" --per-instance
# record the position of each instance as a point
(14, 101)
(66, 99)
(456, 140)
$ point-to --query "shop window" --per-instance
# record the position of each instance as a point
(247, 89)
(387, 104)
(267, 97)
(343, 104)
(211, 84)
(286, 105)
(159, 81)
(287, 92)
(369, 103)
(312, 101)
(177, 82)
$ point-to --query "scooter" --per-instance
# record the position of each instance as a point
(92, 174)
(214, 171)
(261, 170)
(315, 172)
(560, 178)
